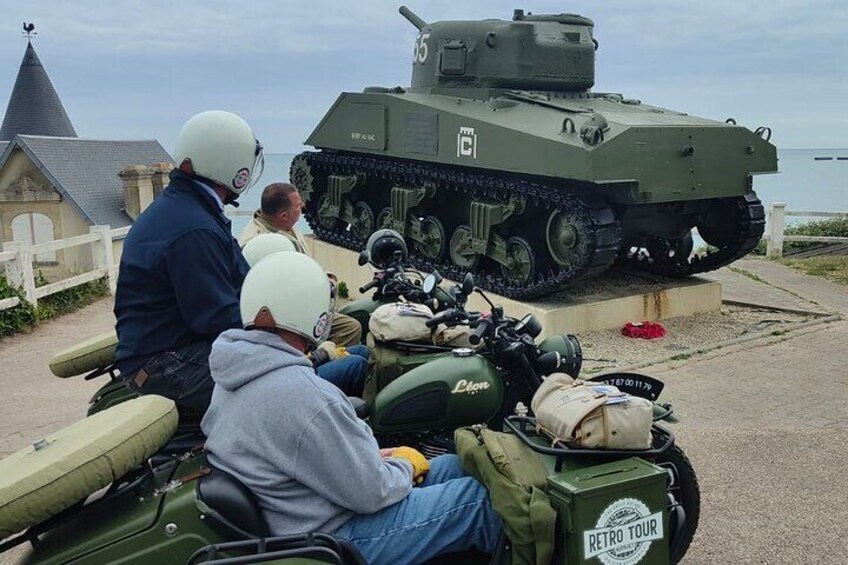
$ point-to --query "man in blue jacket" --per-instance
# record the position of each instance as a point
(181, 270)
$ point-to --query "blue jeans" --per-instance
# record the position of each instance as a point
(181, 374)
(348, 373)
(449, 512)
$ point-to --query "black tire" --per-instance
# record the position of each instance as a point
(686, 493)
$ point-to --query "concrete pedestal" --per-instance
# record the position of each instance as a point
(606, 302)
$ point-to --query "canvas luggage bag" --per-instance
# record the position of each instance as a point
(458, 336)
(401, 321)
(516, 479)
(592, 415)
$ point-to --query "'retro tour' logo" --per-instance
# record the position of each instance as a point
(623, 533)
(241, 179)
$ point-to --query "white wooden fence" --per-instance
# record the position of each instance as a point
(777, 221)
(18, 258)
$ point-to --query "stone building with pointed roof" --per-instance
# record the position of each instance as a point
(54, 184)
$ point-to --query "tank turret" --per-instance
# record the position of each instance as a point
(551, 52)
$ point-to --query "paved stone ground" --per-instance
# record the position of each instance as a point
(32, 401)
(764, 422)
(765, 425)
(786, 286)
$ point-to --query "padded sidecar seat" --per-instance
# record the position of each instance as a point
(65, 467)
(84, 357)
(232, 509)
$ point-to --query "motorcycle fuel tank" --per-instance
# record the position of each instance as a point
(459, 390)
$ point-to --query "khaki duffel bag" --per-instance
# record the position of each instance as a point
(592, 415)
(401, 321)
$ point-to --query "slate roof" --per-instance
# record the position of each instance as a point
(85, 171)
(34, 107)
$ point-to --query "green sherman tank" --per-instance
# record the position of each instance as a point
(499, 159)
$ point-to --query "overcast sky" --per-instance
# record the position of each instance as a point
(139, 69)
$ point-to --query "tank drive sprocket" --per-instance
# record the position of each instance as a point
(573, 238)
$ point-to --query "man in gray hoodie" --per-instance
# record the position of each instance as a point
(296, 442)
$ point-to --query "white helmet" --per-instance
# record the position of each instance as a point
(288, 291)
(222, 149)
(265, 244)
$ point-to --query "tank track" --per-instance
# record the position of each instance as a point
(310, 169)
(603, 240)
(751, 227)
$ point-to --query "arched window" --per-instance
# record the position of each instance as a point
(33, 228)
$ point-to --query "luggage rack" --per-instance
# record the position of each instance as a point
(519, 426)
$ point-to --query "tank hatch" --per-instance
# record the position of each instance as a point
(550, 52)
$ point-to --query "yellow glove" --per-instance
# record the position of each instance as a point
(333, 351)
(420, 465)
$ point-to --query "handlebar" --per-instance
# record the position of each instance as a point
(368, 286)
(446, 316)
(480, 331)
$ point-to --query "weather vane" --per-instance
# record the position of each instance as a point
(29, 30)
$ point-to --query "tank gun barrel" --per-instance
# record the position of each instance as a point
(413, 19)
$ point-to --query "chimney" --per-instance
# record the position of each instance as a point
(138, 189)
(160, 177)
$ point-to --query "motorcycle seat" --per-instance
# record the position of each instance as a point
(232, 508)
(97, 353)
(58, 471)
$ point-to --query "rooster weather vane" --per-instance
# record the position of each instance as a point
(29, 30)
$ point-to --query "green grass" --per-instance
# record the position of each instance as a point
(747, 274)
(830, 267)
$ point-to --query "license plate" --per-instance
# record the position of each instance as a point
(633, 383)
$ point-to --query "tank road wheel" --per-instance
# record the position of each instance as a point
(363, 221)
(300, 175)
(435, 240)
(384, 217)
(460, 249)
(524, 261)
(562, 237)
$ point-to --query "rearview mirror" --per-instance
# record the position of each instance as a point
(431, 282)
(468, 284)
(363, 258)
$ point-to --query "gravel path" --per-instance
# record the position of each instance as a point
(605, 350)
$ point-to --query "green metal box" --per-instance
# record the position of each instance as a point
(613, 513)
